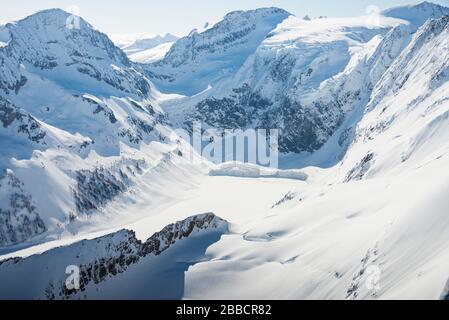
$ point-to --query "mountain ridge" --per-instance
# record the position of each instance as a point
(363, 109)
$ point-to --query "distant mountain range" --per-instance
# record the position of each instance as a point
(147, 50)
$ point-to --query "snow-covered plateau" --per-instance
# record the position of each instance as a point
(95, 183)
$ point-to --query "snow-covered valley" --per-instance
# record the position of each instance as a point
(96, 178)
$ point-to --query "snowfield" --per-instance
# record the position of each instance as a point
(247, 170)
(151, 55)
(145, 49)
(95, 178)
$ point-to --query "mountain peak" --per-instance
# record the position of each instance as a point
(268, 11)
(50, 32)
(434, 26)
(67, 49)
(55, 17)
(419, 13)
(146, 43)
(54, 12)
(225, 45)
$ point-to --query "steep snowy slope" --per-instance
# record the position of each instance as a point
(18, 216)
(374, 226)
(78, 123)
(107, 262)
(417, 14)
(148, 50)
(200, 59)
(67, 77)
(371, 226)
(408, 109)
(147, 43)
(283, 84)
(151, 55)
(309, 78)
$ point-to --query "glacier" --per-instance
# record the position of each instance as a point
(93, 174)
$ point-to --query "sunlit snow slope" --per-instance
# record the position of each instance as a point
(362, 214)
(147, 49)
(79, 126)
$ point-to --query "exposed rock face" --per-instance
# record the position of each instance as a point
(417, 14)
(23, 122)
(162, 240)
(19, 125)
(305, 90)
(67, 92)
(129, 250)
(19, 220)
(122, 250)
(97, 187)
(237, 111)
(104, 258)
(101, 108)
(445, 295)
(235, 29)
(216, 53)
(303, 78)
(81, 68)
(360, 170)
(301, 128)
(43, 41)
(414, 82)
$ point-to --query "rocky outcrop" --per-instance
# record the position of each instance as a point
(68, 94)
(98, 186)
(19, 220)
(24, 123)
(445, 294)
(303, 78)
(129, 250)
(301, 128)
(104, 258)
(235, 29)
(81, 50)
(214, 54)
(361, 169)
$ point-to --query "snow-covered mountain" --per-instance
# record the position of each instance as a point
(417, 14)
(375, 225)
(146, 43)
(407, 107)
(200, 59)
(107, 262)
(308, 78)
(362, 104)
(78, 121)
(148, 49)
(151, 55)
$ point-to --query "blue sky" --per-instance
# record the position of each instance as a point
(181, 16)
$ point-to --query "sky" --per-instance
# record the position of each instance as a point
(179, 17)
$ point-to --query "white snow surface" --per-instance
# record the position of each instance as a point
(154, 54)
(144, 49)
(203, 58)
(248, 170)
(308, 232)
